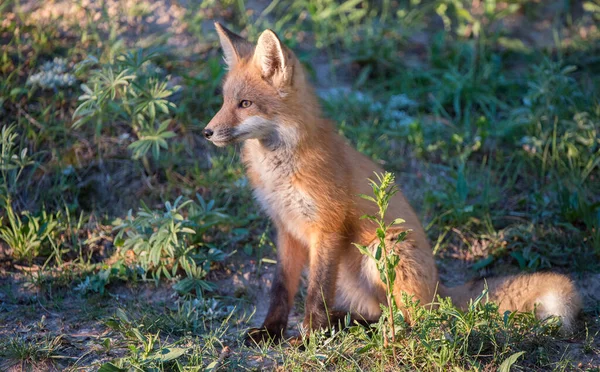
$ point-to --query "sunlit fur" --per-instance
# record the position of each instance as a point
(307, 178)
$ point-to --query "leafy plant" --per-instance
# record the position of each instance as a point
(385, 257)
(13, 162)
(163, 243)
(559, 136)
(466, 22)
(30, 354)
(132, 90)
(98, 282)
(26, 233)
(148, 354)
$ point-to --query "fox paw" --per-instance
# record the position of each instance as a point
(297, 341)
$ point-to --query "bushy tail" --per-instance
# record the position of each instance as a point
(550, 294)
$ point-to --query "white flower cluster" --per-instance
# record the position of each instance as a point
(53, 74)
(208, 308)
(393, 111)
(344, 93)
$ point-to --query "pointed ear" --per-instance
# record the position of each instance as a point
(234, 46)
(274, 59)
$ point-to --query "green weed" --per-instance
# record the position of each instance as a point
(164, 243)
(385, 257)
(38, 353)
(134, 89)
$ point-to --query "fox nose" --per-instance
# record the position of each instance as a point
(208, 133)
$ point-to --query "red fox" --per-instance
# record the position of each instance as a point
(308, 178)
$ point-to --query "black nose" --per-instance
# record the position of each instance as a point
(208, 133)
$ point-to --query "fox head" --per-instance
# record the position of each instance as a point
(260, 88)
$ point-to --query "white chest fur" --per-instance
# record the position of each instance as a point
(278, 189)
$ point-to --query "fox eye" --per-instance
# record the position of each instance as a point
(245, 103)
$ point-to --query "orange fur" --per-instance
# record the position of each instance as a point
(307, 178)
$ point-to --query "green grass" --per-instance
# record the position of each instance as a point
(30, 354)
(127, 242)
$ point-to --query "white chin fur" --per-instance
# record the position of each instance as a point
(220, 143)
(254, 127)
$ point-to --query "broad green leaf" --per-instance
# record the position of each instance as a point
(510, 361)
(167, 354)
(483, 262)
(367, 197)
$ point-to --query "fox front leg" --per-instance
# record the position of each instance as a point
(291, 260)
(324, 261)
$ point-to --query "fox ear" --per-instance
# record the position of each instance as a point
(234, 46)
(273, 58)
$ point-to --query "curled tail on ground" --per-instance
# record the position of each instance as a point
(550, 294)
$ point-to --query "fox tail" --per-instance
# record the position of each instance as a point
(549, 294)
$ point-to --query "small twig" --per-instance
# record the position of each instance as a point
(29, 118)
(46, 310)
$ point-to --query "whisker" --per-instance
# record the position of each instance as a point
(235, 150)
